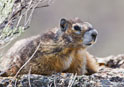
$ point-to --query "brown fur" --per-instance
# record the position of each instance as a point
(58, 52)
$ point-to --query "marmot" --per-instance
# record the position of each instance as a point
(62, 49)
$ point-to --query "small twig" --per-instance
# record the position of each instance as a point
(29, 18)
(55, 82)
(15, 82)
(19, 21)
(13, 15)
(73, 77)
(29, 75)
(26, 12)
(70, 80)
(25, 63)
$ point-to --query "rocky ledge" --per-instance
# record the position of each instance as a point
(111, 74)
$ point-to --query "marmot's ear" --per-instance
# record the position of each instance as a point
(63, 24)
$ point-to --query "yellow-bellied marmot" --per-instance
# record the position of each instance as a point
(62, 49)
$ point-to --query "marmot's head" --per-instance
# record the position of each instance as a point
(79, 33)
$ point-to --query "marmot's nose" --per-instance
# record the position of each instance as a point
(94, 34)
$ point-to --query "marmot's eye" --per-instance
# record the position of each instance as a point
(77, 28)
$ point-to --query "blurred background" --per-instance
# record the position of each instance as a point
(107, 16)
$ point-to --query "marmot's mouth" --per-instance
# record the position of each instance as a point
(89, 43)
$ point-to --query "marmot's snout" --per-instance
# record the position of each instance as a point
(93, 34)
(90, 37)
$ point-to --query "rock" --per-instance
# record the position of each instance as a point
(106, 77)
